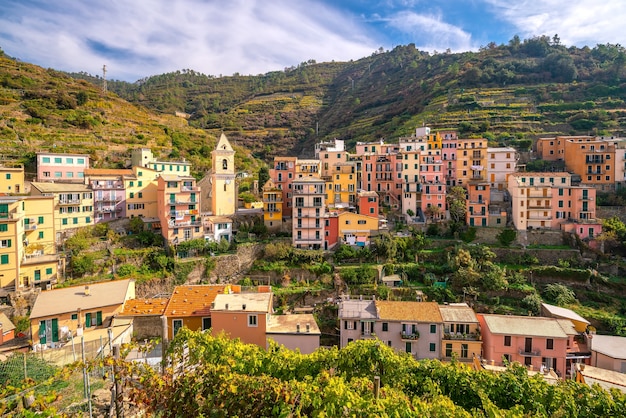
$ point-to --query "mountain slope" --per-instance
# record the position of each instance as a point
(521, 90)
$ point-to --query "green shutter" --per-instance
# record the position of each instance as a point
(99, 318)
(8, 243)
(55, 330)
(88, 320)
(42, 332)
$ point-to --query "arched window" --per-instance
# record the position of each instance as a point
(225, 164)
(225, 187)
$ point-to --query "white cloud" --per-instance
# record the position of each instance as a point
(430, 33)
(139, 38)
(577, 22)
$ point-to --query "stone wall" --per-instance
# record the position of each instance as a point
(550, 257)
(147, 327)
(606, 212)
(233, 266)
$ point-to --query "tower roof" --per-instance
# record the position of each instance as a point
(223, 144)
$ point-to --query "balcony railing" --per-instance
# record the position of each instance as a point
(464, 337)
(410, 335)
(69, 202)
(531, 353)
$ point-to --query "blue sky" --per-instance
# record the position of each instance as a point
(139, 38)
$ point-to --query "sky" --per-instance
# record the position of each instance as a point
(139, 38)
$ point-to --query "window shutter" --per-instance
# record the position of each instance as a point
(55, 330)
(88, 320)
(42, 332)
(99, 318)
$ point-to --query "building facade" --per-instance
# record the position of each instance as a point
(61, 167)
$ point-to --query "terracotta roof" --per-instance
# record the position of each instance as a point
(609, 345)
(192, 300)
(70, 299)
(108, 172)
(529, 326)
(457, 312)
(288, 324)
(144, 307)
(607, 379)
(557, 311)
(6, 325)
(408, 311)
(253, 302)
(219, 219)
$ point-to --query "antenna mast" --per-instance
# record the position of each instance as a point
(104, 79)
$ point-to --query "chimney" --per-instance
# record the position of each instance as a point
(87, 291)
(308, 327)
(297, 327)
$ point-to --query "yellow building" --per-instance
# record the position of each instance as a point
(73, 207)
(356, 229)
(272, 206)
(28, 255)
(461, 337)
(223, 188)
(141, 193)
(341, 185)
(308, 168)
(471, 155)
(11, 180)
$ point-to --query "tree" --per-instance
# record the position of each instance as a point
(264, 176)
(559, 294)
(385, 246)
(456, 204)
(506, 236)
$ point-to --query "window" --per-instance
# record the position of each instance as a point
(176, 325)
(40, 234)
(507, 340)
(448, 350)
(49, 270)
(385, 326)
(4, 227)
(80, 161)
(408, 347)
(75, 221)
(464, 350)
(252, 321)
(4, 259)
(5, 243)
(433, 328)
(550, 344)
(58, 160)
(206, 323)
(225, 164)
(64, 221)
(92, 320)
(75, 317)
(433, 347)
(46, 159)
(8, 176)
(40, 220)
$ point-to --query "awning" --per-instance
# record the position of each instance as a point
(156, 225)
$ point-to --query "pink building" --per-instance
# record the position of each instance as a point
(449, 145)
(477, 203)
(536, 342)
(308, 212)
(61, 167)
(178, 203)
(282, 174)
(109, 193)
(433, 184)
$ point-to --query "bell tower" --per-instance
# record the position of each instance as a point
(223, 190)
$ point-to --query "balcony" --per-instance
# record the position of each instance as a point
(69, 202)
(190, 189)
(178, 224)
(585, 198)
(109, 199)
(462, 337)
(410, 335)
(530, 353)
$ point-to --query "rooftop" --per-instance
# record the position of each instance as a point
(288, 324)
(6, 325)
(144, 307)
(249, 302)
(192, 300)
(409, 311)
(557, 311)
(60, 187)
(108, 172)
(70, 299)
(609, 345)
(363, 309)
(528, 326)
(457, 312)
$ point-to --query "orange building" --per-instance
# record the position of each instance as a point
(178, 203)
(243, 315)
(190, 307)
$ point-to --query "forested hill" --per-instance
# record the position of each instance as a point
(521, 90)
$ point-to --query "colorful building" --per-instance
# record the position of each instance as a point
(243, 315)
(109, 194)
(341, 186)
(178, 202)
(12, 180)
(223, 187)
(141, 193)
(356, 229)
(535, 342)
(272, 207)
(84, 309)
(477, 203)
(501, 162)
(309, 212)
(471, 160)
(73, 205)
(461, 334)
(190, 307)
(61, 167)
(7, 329)
(282, 174)
(550, 201)
(143, 157)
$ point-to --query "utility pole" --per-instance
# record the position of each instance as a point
(104, 79)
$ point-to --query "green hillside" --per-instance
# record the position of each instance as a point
(43, 109)
(521, 90)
